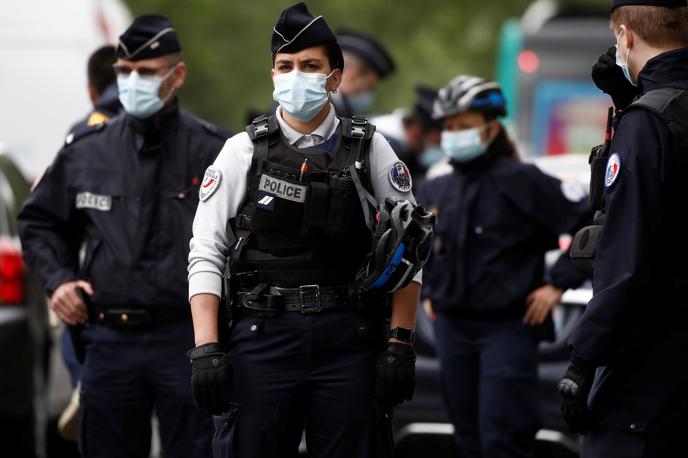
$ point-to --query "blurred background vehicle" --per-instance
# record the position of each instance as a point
(23, 327)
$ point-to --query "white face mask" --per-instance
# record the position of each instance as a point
(302, 95)
(464, 145)
(623, 63)
(140, 94)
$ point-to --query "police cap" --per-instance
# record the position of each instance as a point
(297, 29)
(664, 3)
(368, 50)
(422, 109)
(149, 36)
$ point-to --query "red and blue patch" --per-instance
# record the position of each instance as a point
(400, 177)
(613, 170)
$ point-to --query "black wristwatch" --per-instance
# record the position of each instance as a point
(403, 335)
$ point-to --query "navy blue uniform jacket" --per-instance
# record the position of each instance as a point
(495, 221)
(129, 189)
(642, 252)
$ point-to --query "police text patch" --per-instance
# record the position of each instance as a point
(211, 181)
(282, 189)
(93, 201)
(400, 177)
(613, 170)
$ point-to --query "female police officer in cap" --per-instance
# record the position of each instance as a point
(496, 218)
(304, 351)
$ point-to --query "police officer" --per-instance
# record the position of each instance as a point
(128, 188)
(484, 284)
(626, 385)
(305, 349)
(367, 63)
(102, 88)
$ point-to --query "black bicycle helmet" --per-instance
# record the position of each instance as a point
(401, 246)
(469, 92)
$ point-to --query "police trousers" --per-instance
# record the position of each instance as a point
(129, 374)
(489, 380)
(639, 402)
(312, 372)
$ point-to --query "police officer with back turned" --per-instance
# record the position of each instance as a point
(292, 204)
(627, 383)
(128, 189)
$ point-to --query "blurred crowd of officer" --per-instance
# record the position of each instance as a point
(285, 263)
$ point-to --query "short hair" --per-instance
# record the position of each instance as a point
(658, 26)
(99, 68)
(333, 53)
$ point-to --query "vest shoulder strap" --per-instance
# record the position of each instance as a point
(671, 105)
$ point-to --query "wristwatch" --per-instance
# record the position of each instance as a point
(403, 335)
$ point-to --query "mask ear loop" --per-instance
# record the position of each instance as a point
(167, 75)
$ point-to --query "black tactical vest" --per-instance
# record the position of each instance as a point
(302, 221)
(671, 105)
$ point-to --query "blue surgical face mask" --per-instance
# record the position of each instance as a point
(430, 155)
(140, 94)
(302, 95)
(623, 63)
(463, 145)
(361, 102)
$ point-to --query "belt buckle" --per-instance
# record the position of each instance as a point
(315, 291)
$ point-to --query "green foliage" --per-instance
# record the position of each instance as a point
(227, 45)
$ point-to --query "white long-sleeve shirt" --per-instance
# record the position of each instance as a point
(210, 244)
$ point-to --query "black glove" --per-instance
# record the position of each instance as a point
(211, 378)
(611, 80)
(574, 390)
(395, 374)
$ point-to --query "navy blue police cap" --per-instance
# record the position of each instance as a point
(368, 50)
(664, 3)
(149, 36)
(297, 29)
(422, 109)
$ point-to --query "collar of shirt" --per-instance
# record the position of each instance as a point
(322, 133)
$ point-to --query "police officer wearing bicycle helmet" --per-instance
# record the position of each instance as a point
(485, 282)
(288, 205)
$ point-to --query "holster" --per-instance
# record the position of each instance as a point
(585, 243)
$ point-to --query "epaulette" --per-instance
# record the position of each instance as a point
(215, 130)
(83, 131)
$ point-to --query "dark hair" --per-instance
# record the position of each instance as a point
(503, 146)
(333, 53)
(99, 68)
(657, 25)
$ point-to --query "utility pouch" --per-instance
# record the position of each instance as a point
(584, 247)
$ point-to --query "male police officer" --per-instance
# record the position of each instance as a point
(633, 330)
(128, 187)
(287, 188)
(366, 62)
(102, 88)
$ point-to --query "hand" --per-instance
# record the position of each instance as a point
(540, 302)
(429, 311)
(574, 390)
(67, 304)
(395, 374)
(610, 79)
(211, 378)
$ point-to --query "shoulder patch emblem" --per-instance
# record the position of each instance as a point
(400, 177)
(573, 191)
(613, 169)
(211, 181)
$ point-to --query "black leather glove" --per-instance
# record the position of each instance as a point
(211, 378)
(574, 390)
(395, 374)
(610, 79)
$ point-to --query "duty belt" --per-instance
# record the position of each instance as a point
(130, 317)
(305, 299)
